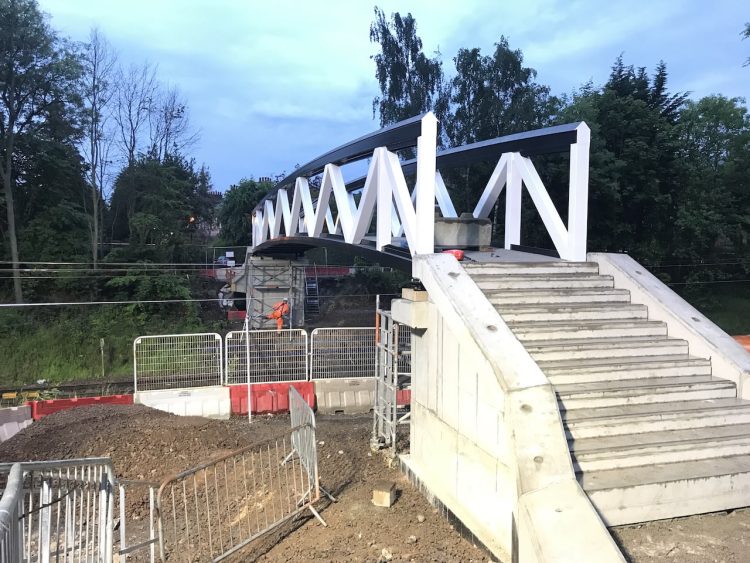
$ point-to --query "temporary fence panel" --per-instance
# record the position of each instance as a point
(144, 539)
(393, 369)
(57, 510)
(11, 538)
(211, 511)
(404, 355)
(174, 361)
(342, 353)
(274, 356)
(303, 436)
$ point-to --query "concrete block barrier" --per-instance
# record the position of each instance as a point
(346, 396)
(13, 420)
(211, 402)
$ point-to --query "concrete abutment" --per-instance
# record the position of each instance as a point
(487, 441)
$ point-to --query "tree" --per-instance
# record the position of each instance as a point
(496, 95)
(136, 92)
(99, 89)
(156, 207)
(39, 74)
(235, 213)
(637, 176)
(746, 34)
(169, 124)
(410, 82)
(713, 210)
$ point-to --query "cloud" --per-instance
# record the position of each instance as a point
(271, 84)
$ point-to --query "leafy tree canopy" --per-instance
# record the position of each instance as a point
(235, 212)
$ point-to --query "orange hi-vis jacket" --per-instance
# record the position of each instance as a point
(280, 310)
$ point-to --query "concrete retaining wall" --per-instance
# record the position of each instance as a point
(349, 396)
(211, 402)
(13, 420)
(729, 360)
(486, 435)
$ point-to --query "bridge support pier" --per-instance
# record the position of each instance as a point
(266, 281)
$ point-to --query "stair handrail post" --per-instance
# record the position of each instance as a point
(425, 186)
(513, 197)
(578, 194)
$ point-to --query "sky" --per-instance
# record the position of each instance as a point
(274, 84)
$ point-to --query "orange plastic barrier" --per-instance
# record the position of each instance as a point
(269, 397)
(458, 254)
(744, 340)
(40, 409)
(403, 397)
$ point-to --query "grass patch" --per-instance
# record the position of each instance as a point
(64, 344)
(729, 307)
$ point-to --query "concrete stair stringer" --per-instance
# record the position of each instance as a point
(650, 391)
(510, 413)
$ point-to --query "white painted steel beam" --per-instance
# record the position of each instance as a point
(400, 212)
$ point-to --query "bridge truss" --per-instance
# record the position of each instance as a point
(407, 218)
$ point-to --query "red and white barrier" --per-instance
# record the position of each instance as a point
(269, 398)
(40, 409)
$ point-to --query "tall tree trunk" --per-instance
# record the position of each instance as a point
(10, 208)
(95, 227)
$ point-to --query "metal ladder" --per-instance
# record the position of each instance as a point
(312, 295)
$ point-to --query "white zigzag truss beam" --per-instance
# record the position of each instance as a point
(399, 212)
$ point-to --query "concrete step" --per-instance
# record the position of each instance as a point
(668, 490)
(557, 296)
(530, 281)
(606, 369)
(654, 417)
(670, 446)
(640, 391)
(587, 348)
(576, 312)
(560, 330)
(523, 268)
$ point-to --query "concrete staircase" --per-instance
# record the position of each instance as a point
(652, 432)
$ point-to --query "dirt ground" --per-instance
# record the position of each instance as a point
(722, 537)
(148, 444)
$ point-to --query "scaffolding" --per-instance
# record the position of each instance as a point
(392, 375)
(267, 282)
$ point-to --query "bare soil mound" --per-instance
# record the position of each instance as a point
(143, 443)
(148, 444)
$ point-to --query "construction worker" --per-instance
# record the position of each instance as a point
(280, 310)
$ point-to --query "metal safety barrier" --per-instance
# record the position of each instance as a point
(145, 534)
(173, 361)
(213, 510)
(404, 354)
(393, 372)
(11, 538)
(274, 356)
(303, 440)
(342, 353)
(57, 510)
